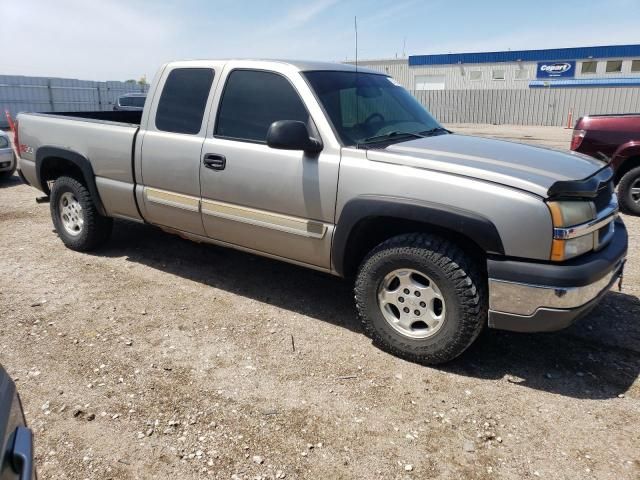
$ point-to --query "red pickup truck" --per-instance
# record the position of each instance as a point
(615, 138)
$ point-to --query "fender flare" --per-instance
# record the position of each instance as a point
(624, 152)
(80, 161)
(469, 224)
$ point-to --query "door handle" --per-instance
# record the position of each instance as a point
(215, 161)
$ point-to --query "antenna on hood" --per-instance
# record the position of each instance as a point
(355, 28)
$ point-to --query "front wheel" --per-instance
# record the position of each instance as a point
(421, 297)
(629, 191)
(75, 217)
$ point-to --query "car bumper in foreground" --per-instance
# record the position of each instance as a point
(543, 297)
(7, 160)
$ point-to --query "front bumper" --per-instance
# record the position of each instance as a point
(542, 297)
(7, 160)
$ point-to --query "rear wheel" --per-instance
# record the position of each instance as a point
(421, 297)
(629, 191)
(75, 217)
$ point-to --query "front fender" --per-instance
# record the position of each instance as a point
(469, 224)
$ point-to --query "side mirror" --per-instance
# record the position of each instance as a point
(292, 135)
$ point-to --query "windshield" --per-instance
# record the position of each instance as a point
(366, 108)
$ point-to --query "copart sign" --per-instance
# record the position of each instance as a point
(556, 69)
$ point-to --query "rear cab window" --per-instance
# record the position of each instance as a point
(252, 100)
(183, 100)
(132, 101)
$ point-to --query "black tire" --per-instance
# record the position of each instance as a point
(459, 280)
(9, 173)
(627, 202)
(95, 230)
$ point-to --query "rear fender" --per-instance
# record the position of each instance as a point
(48, 154)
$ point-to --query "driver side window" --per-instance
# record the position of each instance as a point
(252, 100)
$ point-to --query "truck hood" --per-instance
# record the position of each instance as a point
(526, 167)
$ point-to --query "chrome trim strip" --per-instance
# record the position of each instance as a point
(607, 215)
(525, 299)
(262, 218)
(172, 199)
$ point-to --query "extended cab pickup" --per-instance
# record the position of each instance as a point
(343, 171)
(616, 139)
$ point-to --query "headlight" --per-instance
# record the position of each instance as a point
(568, 214)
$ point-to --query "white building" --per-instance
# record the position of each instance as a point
(535, 87)
(591, 67)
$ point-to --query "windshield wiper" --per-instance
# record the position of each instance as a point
(395, 133)
(433, 131)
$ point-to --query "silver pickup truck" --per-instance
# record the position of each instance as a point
(343, 171)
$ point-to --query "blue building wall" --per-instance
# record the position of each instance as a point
(578, 53)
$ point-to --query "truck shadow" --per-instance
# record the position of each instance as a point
(13, 181)
(597, 358)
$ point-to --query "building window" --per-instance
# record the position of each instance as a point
(614, 66)
(635, 66)
(429, 82)
(475, 75)
(522, 74)
(589, 67)
(497, 74)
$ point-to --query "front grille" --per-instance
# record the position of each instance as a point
(603, 199)
(604, 235)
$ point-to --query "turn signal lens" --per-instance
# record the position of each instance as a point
(565, 249)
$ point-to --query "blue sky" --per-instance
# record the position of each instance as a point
(121, 39)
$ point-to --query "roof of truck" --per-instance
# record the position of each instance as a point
(301, 65)
(306, 66)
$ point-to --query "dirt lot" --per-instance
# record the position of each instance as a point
(161, 358)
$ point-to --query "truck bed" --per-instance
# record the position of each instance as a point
(614, 115)
(130, 118)
(105, 139)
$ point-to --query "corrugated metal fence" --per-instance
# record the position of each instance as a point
(42, 94)
(539, 106)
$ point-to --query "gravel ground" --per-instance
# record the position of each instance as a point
(161, 358)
